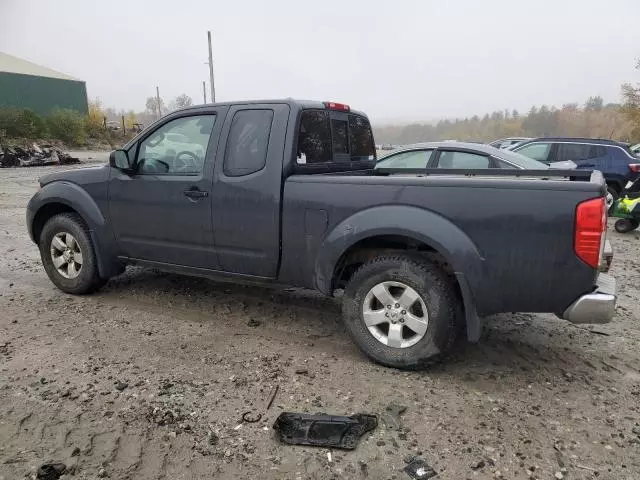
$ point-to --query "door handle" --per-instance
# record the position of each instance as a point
(195, 193)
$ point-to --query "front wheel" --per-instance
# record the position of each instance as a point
(68, 254)
(625, 225)
(401, 311)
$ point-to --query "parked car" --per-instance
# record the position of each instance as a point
(470, 156)
(288, 194)
(614, 159)
(635, 149)
(458, 155)
(113, 125)
(508, 142)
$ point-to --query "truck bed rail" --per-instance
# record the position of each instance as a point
(487, 172)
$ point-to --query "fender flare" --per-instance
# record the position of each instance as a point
(416, 223)
(77, 199)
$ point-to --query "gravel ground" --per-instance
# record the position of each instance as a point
(148, 379)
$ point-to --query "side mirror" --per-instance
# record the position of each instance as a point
(120, 159)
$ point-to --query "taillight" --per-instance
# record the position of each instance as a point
(591, 223)
(341, 107)
(634, 167)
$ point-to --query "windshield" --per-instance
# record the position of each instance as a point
(522, 161)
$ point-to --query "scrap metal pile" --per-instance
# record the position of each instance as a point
(34, 156)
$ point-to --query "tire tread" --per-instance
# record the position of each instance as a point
(443, 283)
(95, 282)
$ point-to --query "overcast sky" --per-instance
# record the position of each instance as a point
(394, 59)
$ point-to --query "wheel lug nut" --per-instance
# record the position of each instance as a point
(404, 312)
(397, 305)
(388, 306)
(386, 314)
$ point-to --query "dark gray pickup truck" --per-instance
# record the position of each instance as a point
(286, 192)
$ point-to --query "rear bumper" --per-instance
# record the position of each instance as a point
(597, 306)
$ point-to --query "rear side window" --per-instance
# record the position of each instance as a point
(247, 143)
(323, 139)
(597, 151)
(579, 151)
(462, 160)
(412, 159)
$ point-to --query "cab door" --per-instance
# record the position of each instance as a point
(161, 210)
(246, 193)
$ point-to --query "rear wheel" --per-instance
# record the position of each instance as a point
(625, 225)
(401, 311)
(68, 254)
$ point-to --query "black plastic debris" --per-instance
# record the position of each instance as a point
(419, 469)
(51, 471)
(34, 156)
(320, 430)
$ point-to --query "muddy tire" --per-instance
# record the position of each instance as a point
(403, 312)
(68, 254)
(625, 225)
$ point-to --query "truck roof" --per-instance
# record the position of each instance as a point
(298, 104)
(598, 141)
(480, 147)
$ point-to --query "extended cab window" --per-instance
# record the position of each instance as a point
(247, 143)
(323, 139)
(179, 147)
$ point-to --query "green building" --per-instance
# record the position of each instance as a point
(26, 85)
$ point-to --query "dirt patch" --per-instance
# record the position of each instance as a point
(150, 378)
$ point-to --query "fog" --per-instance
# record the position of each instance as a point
(398, 61)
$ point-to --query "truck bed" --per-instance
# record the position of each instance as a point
(508, 233)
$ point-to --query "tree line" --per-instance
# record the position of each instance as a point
(593, 119)
(154, 109)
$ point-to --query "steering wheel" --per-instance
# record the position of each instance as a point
(185, 161)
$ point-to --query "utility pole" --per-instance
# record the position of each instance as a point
(158, 101)
(204, 91)
(213, 88)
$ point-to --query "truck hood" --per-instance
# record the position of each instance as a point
(79, 176)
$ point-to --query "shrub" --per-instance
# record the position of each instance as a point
(95, 119)
(18, 123)
(68, 126)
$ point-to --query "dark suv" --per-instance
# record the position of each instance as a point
(614, 159)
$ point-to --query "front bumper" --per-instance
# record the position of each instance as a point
(597, 306)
